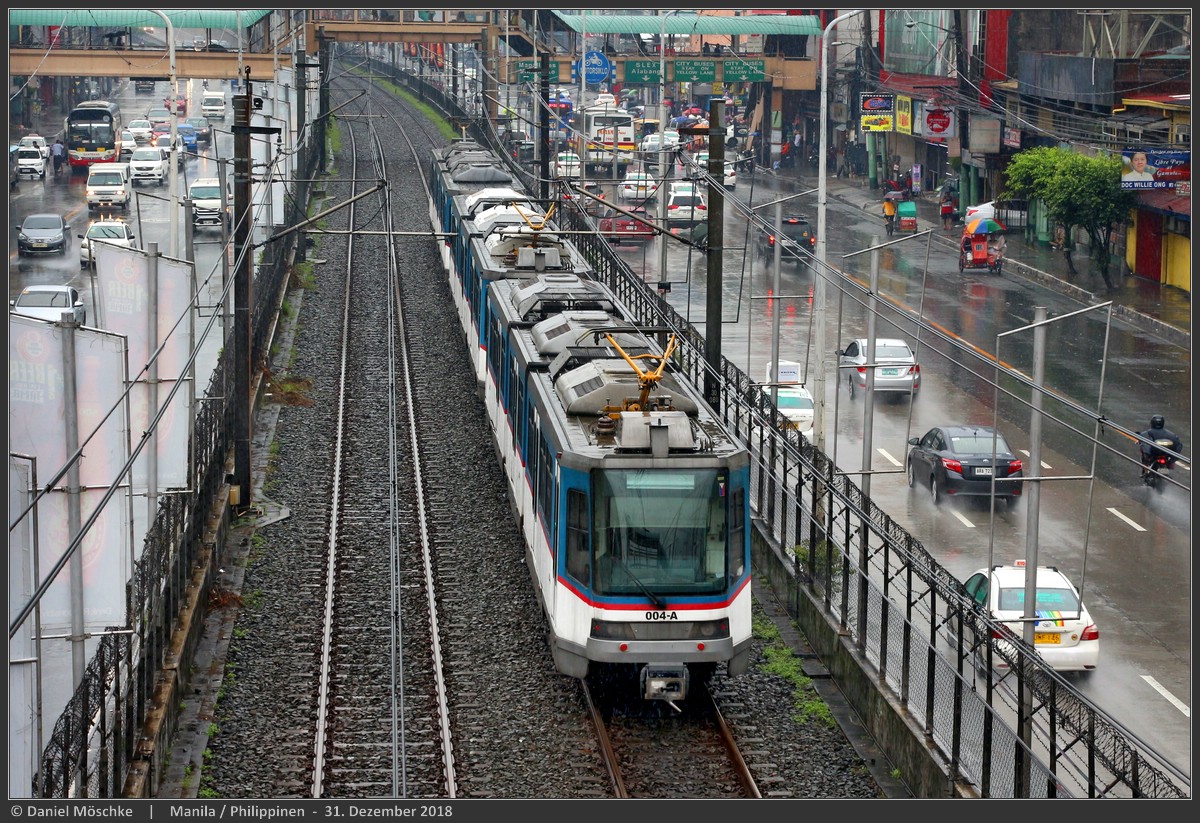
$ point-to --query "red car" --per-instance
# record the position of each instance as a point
(619, 228)
(178, 106)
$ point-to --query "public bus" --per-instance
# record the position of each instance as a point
(93, 133)
(596, 127)
(560, 118)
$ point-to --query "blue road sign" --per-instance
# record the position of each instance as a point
(597, 69)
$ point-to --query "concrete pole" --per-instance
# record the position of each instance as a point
(74, 504)
(773, 373)
(868, 446)
(664, 169)
(152, 341)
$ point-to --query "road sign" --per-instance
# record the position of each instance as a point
(527, 71)
(695, 71)
(641, 71)
(598, 70)
(744, 71)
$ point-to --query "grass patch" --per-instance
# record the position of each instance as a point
(433, 115)
(213, 729)
(303, 276)
(291, 391)
(807, 705)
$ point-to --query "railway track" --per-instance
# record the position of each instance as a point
(647, 747)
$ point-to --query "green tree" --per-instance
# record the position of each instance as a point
(1078, 191)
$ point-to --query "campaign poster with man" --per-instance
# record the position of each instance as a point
(1154, 168)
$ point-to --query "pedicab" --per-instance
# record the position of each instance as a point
(977, 250)
(906, 215)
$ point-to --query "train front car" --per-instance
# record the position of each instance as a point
(634, 504)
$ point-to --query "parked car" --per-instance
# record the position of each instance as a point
(141, 130)
(203, 129)
(618, 228)
(49, 302)
(36, 141)
(799, 231)
(897, 371)
(43, 232)
(116, 232)
(1064, 635)
(686, 206)
(956, 460)
(637, 186)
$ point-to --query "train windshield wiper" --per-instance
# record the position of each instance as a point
(658, 604)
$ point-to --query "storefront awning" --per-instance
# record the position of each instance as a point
(1167, 202)
(919, 86)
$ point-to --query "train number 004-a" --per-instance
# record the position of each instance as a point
(662, 616)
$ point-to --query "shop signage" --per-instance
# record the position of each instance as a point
(877, 122)
(1012, 138)
(939, 123)
(904, 121)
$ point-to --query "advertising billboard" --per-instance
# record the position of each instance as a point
(1154, 168)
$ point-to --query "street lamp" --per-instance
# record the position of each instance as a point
(173, 172)
(822, 200)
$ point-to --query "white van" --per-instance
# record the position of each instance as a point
(109, 184)
(212, 104)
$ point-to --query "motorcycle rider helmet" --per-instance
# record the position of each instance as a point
(1158, 422)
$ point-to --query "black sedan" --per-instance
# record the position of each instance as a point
(43, 233)
(958, 460)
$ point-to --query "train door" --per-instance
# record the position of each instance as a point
(1148, 252)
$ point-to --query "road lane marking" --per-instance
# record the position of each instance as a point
(888, 457)
(1126, 519)
(964, 520)
(1045, 465)
(1172, 699)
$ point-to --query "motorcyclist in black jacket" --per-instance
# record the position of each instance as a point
(1158, 431)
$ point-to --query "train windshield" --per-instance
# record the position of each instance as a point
(660, 531)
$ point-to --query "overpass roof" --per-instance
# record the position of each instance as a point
(122, 18)
(692, 23)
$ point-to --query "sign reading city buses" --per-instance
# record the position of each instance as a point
(696, 71)
(744, 71)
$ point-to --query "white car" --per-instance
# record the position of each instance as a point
(148, 164)
(897, 368)
(30, 162)
(128, 143)
(796, 405)
(142, 130)
(565, 165)
(685, 207)
(637, 186)
(1063, 634)
(730, 177)
(49, 303)
(116, 232)
(36, 141)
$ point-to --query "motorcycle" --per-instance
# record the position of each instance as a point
(1152, 473)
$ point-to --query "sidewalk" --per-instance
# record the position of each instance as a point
(1161, 310)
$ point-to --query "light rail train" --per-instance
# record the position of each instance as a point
(633, 499)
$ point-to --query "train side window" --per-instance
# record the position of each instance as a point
(737, 533)
(577, 537)
(545, 489)
(518, 414)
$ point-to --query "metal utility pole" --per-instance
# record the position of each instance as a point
(544, 128)
(242, 194)
(716, 241)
